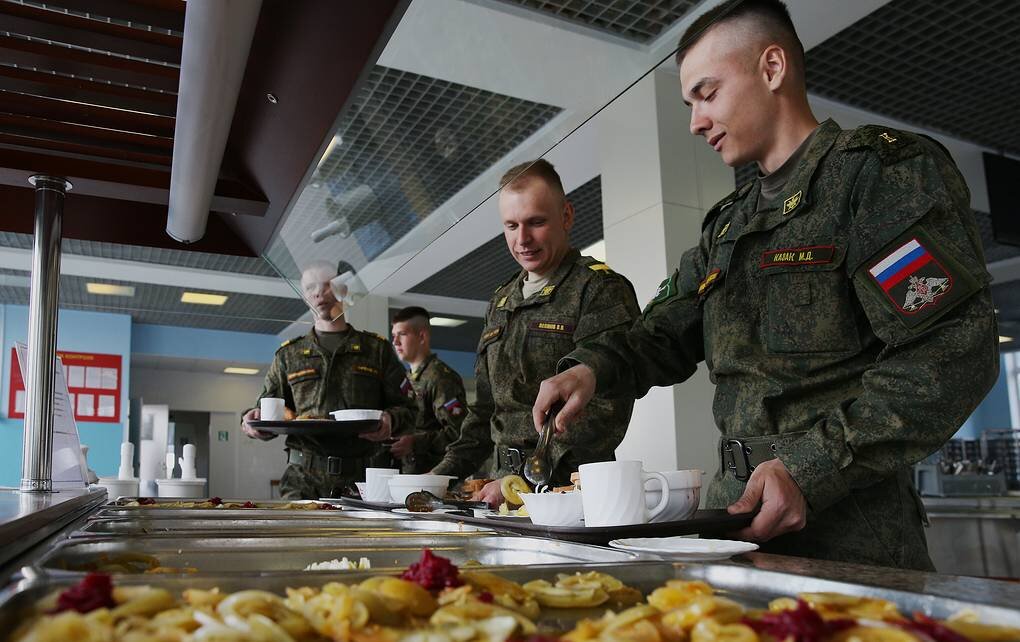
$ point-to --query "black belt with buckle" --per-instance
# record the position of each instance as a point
(329, 464)
(512, 459)
(742, 456)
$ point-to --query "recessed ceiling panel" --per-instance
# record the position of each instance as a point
(480, 272)
(945, 66)
(638, 20)
(406, 145)
(161, 305)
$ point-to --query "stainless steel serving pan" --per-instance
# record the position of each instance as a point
(264, 526)
(749, 582)
(225, 555)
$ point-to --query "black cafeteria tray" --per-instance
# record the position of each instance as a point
(704, 522)
(315, 427)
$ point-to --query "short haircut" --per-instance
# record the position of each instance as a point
(417, 315)
(323, 266)
(770, 18)
(518, 176)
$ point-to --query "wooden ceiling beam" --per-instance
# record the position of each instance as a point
(166, 14)
(76, 132)
(121, 180)
(93, 66)
(50, 143)
(70, 29)
(107, 220)
(32, 81)
(92, 115)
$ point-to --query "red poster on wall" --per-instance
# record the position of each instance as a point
(92, 379)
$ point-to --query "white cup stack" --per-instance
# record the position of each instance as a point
(125, 484)
(150, 464)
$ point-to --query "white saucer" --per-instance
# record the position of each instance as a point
(357, 414)
(685, 548)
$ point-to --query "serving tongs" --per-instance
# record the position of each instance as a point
(538, 469)
(422, 501)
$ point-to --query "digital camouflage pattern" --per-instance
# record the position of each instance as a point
(442, 406)
(363, 373)
(298, 482)
(521, 343)
(803, 340)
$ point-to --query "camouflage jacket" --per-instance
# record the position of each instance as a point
(363, 373)
(852, 317)
(521, 343)
(442, 406)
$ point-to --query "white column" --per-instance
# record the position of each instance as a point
(658, 181)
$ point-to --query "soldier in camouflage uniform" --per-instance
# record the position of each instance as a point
(558, 300)
(840, 302)
(333, 367)
(438, 390)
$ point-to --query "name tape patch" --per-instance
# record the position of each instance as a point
(810, 255)
(548, 326)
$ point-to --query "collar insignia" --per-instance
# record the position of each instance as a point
(791, 203)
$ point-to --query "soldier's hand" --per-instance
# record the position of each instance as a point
(783, 507)
(253, 415)
(490, 493)
(574, 387)
(403, 446)
(385, 429)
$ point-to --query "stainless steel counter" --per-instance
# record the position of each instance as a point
(28, 518)
(975, 535)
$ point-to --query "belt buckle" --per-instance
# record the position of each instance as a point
(745, 450)
(516, 457)
(334, 465)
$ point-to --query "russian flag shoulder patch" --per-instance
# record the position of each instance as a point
(912, 275)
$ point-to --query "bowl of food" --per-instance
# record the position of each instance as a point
(554, 509)
(403, 485)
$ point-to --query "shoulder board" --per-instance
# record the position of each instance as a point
(504, 284)
(594, 264)
(288, 342)
(378, 336)
(891, 145)
(733, 197)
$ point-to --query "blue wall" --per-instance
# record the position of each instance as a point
(993, 411)
(173, 341)
(76, 331)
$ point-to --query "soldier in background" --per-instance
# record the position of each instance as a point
(333, 367)
(438, 390)
(840, 302)
(557, 300)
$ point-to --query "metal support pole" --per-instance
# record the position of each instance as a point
(37, 451)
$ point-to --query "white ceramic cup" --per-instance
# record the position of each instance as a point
(684, 495)
(613, 493)
(377, 483)
(271, 409)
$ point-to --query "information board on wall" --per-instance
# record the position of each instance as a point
(93, 381)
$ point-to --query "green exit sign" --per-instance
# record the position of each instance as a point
(223, 435)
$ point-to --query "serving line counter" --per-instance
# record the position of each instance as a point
(975, 535)
(26, 519)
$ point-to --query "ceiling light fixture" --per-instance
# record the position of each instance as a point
(241, 371)
(446, 322)
(113, 290)
(202, 298)
(1003, 339)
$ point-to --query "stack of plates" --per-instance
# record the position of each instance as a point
(685, 548)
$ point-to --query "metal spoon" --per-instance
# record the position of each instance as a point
(538, 468)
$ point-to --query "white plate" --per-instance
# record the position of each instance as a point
(685, 548)
(357, 414)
